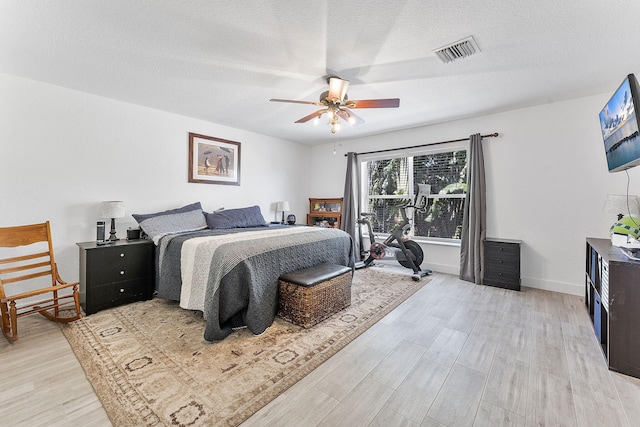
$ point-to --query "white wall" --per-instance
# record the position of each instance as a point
(547, 181)
(62, 152)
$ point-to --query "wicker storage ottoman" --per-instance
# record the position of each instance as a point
(307, 297)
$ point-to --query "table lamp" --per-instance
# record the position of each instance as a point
(112, 210)
(282, 207)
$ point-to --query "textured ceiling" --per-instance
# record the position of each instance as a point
(223, 61)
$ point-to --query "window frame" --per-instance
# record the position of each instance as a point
(406, 153)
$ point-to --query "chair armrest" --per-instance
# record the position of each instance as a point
(57, 275)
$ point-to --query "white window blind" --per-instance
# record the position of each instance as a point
(391, 182)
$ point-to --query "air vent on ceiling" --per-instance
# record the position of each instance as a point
(460, 49)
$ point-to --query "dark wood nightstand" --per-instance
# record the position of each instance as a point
(502, 263)
(115, 274)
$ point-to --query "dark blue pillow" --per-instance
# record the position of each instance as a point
(236, 218)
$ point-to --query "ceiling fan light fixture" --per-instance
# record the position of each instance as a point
(336, 104)
(337, 89)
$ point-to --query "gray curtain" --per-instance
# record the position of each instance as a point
(474, 223)
(351, 203)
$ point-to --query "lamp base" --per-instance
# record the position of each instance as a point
(112, 232)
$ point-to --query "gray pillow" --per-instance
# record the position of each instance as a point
(192, 207)
(186, 218)
(236, 218)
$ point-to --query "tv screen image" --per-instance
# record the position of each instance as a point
(619, 123)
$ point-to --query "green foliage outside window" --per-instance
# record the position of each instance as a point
(392, 182)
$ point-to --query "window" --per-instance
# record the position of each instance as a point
(390, 183)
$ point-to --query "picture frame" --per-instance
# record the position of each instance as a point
(213, 160)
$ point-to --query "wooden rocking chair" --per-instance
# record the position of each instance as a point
(48, 301)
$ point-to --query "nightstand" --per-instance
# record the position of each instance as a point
(502, 263)
(115, 274)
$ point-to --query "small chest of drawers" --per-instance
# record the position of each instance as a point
(115, 274)
(502, 263)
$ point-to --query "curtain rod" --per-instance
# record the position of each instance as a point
(491, 135)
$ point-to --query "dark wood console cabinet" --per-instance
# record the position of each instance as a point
(502, 263)
(115, 274)
(612, 297)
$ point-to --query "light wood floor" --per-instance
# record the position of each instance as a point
(454, 354)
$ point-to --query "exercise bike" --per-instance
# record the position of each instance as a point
(397, 246)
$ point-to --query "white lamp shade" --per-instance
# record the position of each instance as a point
(112, 209)
(621, 204)
(282, 206)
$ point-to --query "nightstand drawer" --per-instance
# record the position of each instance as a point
(501, 264)
(119, 292)
(501, 250)
(115, 294)
(503, 277)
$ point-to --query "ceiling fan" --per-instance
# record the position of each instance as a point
(336, 104)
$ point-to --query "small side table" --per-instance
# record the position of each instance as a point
(502, 263)
(115, 274)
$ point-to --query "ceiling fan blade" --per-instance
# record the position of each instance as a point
(337, 88)
(350, 117)
(374, 103)
(295, 102)
(311, 116)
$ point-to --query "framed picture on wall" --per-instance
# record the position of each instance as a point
(213, 160)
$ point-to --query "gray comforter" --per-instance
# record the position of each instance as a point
(241, 285)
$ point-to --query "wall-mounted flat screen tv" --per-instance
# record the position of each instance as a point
(619, 121)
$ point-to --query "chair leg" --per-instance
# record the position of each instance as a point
(6, 326)
(76, 298)
(12, 333)
(56, 311)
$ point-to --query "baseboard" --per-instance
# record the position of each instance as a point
(547, 285)
(529, 282)
(442, 268)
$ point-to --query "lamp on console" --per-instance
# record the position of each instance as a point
(113, 210)
(624, 225)
(282, 207)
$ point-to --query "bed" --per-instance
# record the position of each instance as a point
(231, 273)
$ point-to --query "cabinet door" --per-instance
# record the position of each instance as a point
(624, 317)
(597, 317)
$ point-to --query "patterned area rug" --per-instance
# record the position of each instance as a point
(150, 365)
